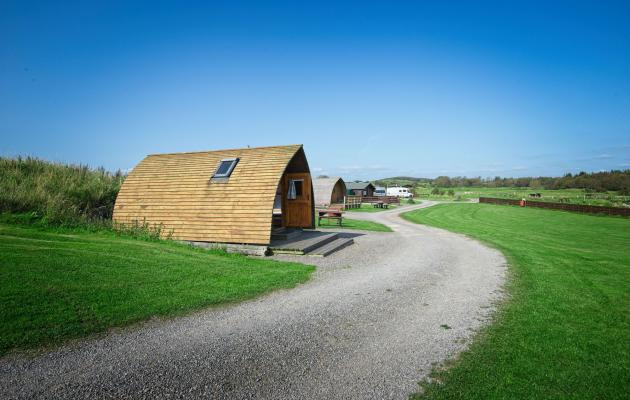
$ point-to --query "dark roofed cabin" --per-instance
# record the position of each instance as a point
(360, 189)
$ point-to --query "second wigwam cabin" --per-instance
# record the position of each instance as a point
(329, 191)
(226, 196)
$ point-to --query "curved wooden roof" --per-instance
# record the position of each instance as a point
(323, 189)
(176, 190)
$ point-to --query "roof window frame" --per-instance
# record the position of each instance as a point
(226, 175)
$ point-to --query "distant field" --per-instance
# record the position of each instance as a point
(55, 286)
(565, 329)
(575, 196)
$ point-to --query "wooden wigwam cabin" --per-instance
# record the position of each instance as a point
(329, 191)
(226, 196)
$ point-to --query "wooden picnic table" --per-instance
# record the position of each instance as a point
(329, 214)
(380, 204)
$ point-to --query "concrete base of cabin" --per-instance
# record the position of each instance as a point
(247, 249)
(312, 243)
(292, 241)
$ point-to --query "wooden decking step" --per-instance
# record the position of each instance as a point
(331, 247)
(304, 243)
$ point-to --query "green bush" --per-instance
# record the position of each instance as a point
(58, 194)
(142, 231)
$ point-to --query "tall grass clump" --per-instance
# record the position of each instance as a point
(57, 194)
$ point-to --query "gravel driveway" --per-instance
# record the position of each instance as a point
(370, 324)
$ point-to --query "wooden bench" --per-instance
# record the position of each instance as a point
(330, 214)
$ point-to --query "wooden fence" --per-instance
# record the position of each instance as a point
(384, 199)
(561, 206)
(492, 200)
(350, 202)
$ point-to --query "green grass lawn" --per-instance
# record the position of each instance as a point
(55, 286)
(565, 330)
(355, 224)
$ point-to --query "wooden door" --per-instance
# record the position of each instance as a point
(297, 210)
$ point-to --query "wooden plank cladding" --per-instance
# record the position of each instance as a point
(625, 212)
(177, 192)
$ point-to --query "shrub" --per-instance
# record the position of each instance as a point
(58, 194)
(142, 231)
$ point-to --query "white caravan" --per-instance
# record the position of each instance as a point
(399, 191)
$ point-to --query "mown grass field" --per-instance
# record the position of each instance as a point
(575, 196)
(354, 224)
(57, 285)
(564, 332)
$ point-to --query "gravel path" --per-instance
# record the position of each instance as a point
(370, 324)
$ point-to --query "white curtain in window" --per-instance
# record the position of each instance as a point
(292, 194)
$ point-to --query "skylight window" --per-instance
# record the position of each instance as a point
(225, 168)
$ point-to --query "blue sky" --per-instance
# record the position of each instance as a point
(372, 89)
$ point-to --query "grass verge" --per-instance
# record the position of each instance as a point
(356, 225)
(367, 207)
(57, 285)
(565, 331)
